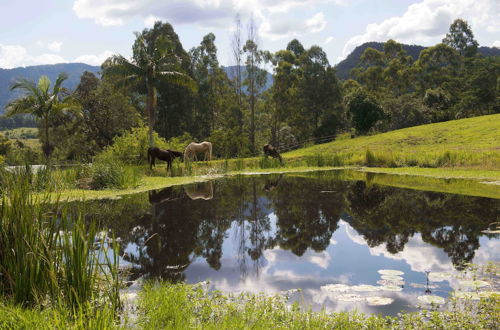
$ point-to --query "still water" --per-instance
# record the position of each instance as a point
(315, 232)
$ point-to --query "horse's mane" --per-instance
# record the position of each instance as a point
(175, 153)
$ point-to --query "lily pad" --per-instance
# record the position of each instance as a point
(390, 283)
(394, 288)
(335, 287)
(474, 284)
(392, 278)
(430, 299)
(390, 272)
(379, 301)
(350, 297)
(365, 288)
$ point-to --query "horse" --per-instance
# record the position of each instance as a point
(166, 155)
(269, 150)
(203, 190)
(193, 148)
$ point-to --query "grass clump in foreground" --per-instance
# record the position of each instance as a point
(52, 261)
(181, 306)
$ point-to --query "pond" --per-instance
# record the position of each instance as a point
(342, 242)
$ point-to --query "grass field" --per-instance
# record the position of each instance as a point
(467, 143)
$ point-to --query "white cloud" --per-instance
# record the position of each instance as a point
(94, 59)
(429, 20)
(274, 28)
(328, 40)
(54, 46)
(12, 56)
(496, 44)
(202, 12)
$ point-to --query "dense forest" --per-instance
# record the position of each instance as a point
(187, 94)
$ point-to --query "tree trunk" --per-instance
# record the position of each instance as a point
(150, 109)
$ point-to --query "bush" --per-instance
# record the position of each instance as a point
(106, 172)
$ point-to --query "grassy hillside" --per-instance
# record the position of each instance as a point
(472, 142)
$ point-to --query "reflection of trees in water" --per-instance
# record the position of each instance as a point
(175, 229)
(451, 222)
(306, 217)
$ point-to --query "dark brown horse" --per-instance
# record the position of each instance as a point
(166, 155)
(269, 150)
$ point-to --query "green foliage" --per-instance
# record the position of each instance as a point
(164, 305)
(48, 255)
(365, 111)
(461, 38)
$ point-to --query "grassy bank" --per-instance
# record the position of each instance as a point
(468, 143)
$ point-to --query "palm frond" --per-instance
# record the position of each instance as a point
(58, 84)
(21, 105)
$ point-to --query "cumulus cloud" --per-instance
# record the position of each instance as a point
(94, 59)
(328, 40)
(429, 20)
(275, 29)
(496, 44)
(54, 46)
(202, 12)
(12, 56)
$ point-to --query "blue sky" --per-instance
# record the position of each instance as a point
(54, 31)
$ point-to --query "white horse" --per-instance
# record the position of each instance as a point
(193, 148)
(203, 190)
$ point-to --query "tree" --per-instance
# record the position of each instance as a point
(256, 77)
(42, 102)
(365, 111)
(461, 38)
(154, 61)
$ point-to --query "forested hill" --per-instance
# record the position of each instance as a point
(344, 67)
(74, 71)
(8, 76)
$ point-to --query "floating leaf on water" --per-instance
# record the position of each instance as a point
(379, 301)
(350, 297)
(365, 288)
(335, 287)
(394, 288)
(392, 278)
(466, 295)
(390, 272)
(390, 283)
(424, 286)
(439, 276)
(430, 299)
(474, 284)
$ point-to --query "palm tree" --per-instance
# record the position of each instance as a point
(153, 61)
(41, 102)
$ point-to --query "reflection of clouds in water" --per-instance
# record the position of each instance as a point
(321, 259)
(419, 255)
(274, 280)
(488, 251)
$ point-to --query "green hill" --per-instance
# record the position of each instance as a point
(472, 142)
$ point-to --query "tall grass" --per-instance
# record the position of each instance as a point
(50, 258)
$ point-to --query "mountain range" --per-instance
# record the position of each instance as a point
(75, 70)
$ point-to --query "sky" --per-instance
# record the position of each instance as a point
(36, 32)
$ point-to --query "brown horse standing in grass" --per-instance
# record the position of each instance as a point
(269, 150)
(166, 155)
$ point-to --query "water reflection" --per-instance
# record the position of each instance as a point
(277, 232)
